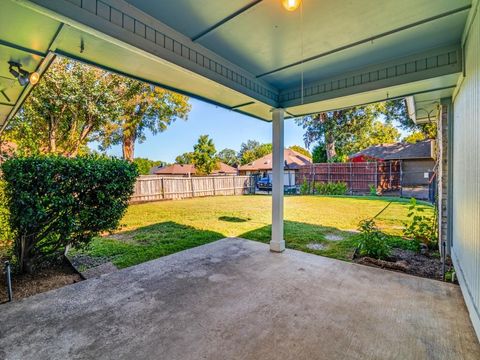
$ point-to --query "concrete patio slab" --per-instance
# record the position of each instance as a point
(233, 299)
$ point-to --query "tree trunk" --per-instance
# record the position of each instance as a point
(330, 146)
(81, 139)
(52, 136)
(25, 262)
(128, 147)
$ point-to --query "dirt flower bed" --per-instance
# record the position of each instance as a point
(409, 262)
(55, 276)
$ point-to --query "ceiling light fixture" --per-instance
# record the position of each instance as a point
(291, 5)
(23, 76)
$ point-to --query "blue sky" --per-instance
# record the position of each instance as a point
(228, 129)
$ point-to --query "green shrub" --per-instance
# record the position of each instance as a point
(6, 237)
(372, 242)
(373, 190)
(421, 228)
(331, 188)
(305, 187)
(57, 201)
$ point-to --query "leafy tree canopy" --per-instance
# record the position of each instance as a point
(229, 157)
(204, 156)
(143, 107)
(144, 165)
(396, 111)
(301, 150)
(185, 158)
(253, 150)
(343, 132)
(70, 103)
(414, 137)
(74, 103)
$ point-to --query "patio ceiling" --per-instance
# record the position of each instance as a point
(245, 55)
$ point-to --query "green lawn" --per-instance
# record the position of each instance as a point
(157, 229)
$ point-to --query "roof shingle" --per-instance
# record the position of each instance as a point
(399, 151)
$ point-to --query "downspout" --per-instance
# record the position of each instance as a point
(447, 243)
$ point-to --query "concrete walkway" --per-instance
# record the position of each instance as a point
(233, 299)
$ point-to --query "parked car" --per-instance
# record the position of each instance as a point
(264, 184)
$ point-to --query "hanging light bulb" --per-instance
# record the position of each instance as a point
(291, 5)
(34, 77)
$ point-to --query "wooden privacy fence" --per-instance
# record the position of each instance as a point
(154, 187)
(358, 176)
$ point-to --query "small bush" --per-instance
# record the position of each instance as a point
(6, 236)
(305, 187)
(56, 201)
(331, 188)
(421, 228)
(372, 242)
(373, 190)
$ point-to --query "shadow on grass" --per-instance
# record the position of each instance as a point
(300, 236)
(233, 219)
(133, 247)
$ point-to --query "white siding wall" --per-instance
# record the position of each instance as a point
(466, 177)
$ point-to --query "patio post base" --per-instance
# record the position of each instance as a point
(277, 246)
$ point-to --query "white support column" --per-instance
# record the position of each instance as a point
(277, 243)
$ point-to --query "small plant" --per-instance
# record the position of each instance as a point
(450, 275)
(305, 187)
(421, 228)
(373, 190)
(372, 242)
(331, 188)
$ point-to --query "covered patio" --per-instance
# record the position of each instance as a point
(233, 299)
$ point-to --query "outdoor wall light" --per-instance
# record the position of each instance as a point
(291, 5)
(23, 76)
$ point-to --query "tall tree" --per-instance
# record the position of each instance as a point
(343, 132)
(319, 154)
(396, 111)
(414, 137)
(185, 158)
(204, 156)
(70, 103)
(143, 107)
(145, 165)
(253, 150)
(228, 156)
(301, 150)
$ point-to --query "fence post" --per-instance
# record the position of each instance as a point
(214, 192)
(376, 174)
(163, 189)
(351, 181)
(401, 179)
(192, 184)
(390, 175)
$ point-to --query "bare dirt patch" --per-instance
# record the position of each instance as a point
(56, 276)
(316, 246)
(334, 237)
(409, 262)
